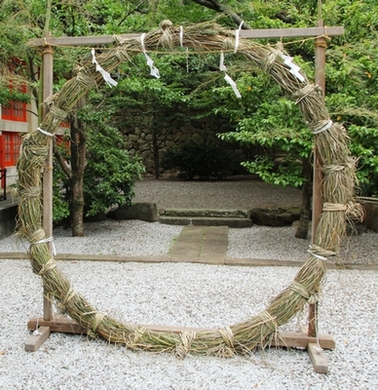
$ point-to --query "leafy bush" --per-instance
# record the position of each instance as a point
(110, 171)
(194, 159)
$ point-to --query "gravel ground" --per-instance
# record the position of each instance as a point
(187, 295)
(231, 194)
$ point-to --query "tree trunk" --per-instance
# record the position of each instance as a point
(302, 230)
(77, 168)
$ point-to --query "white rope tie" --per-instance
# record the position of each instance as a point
(36, 331)
(320, 253)
(45, 132)
(237, 37)
(105, 75)
(154, 71)
(317, 256)
(46, 240)
(324, 128)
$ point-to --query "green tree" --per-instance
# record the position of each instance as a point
(271, 121)
(26, 19)
(109, 171)
(263, 116)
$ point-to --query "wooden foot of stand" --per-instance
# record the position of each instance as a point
(318, 358)
(39, 336)
(285, 339)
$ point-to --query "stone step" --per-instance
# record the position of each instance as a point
(206, 221)
(204, 213)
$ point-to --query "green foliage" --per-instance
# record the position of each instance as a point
(352, 82)
(193, 84)
(110, 172)
(194, 159)
(287, 172)
(365, 146)
(263, 117)
(8, 96)
(271, 122)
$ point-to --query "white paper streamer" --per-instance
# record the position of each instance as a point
(106, 75)
(229, 80)
(154, 71)
(181, 36)
(222, 67)
(294, 68)
(233, 85)
(237, 35)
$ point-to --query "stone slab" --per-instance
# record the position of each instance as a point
(144, 211)
(203, 213)
(209, 244)
(236, 223)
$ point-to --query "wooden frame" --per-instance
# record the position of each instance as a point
(310, 340)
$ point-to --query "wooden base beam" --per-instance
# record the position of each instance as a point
(315, 345)
(284, 339)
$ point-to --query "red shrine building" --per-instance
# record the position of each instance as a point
(15, 120)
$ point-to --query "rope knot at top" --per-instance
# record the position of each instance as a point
(165, 24)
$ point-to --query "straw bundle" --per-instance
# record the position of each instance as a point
(330, 140)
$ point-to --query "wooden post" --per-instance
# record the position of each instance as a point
(318, 359)
(48, 171)
(317, 202)
(42, 333)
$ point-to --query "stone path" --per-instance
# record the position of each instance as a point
(208, 243)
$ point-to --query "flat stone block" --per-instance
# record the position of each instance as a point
(180, 221)
(144, 211)
(275, 215)
(204, 213)
(236, 223)
(8, 213)
(371, 218)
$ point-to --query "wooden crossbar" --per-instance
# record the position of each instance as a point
(254, 34)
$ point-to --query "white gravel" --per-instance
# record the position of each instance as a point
(187, 295)
(138, 238)
(264, 242)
